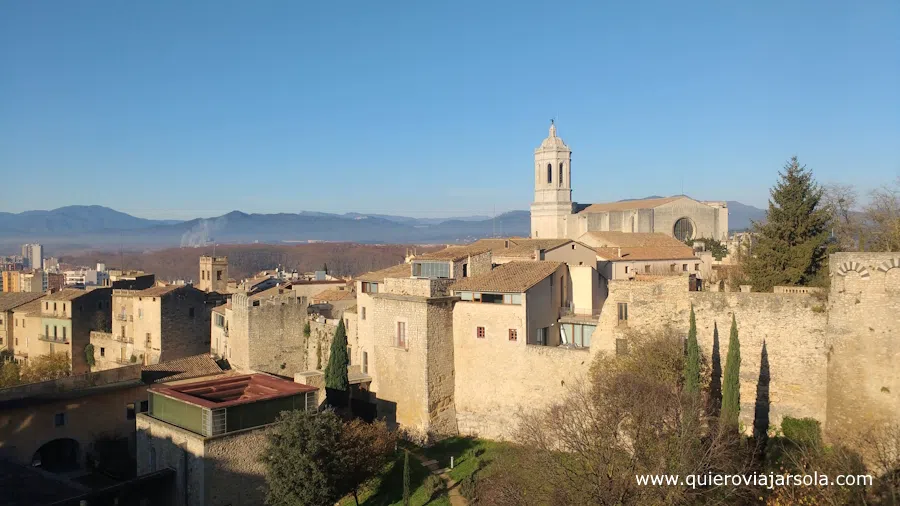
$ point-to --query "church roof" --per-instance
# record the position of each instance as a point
(552, 141)
(630, 205)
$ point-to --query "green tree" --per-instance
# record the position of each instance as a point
(9, 374)
(791, 246)
(731, 384)
(692, 362)
(336, 370)
(303, 461)
(406, 478)
(306, 329)
(89, 355)
(46, 367)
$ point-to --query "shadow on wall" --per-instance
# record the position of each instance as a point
(761, 415)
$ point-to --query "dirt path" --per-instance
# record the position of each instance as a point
(456, 499)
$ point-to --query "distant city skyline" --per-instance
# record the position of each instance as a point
(177, 111)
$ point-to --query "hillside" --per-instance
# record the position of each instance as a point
(244, 260)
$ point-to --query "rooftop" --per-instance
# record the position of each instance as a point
(524, 248)
(454, 253)
(646, 253)
(513, 277)
(66, 294)
(31, 308)
(221, 309)
(397, 271)
(233, 390)
(159, 291)
(630, 240)
(334, 295)
(13, 300)
(181, 369)
(629, 205)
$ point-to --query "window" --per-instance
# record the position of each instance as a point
(102, 351)
(59, 419)
(23, 322)
(46, 305)
(145, 406)
(148, 338)
(369, 287)
(64, 307)
(541, 336)
(647, 269)
(492, 298)
(17, 322)
(623, 312)
(363, 313)
(129, 411)
(219, 320)
(17, 343)
(575, 334)
(513, 335)
(47, 330)
(140, 313)
(55, 331)
(559, 181)
(465, 270)
(349, 355)
(401, 335)
(479, 332)
(696, 267)
(123, 331)
(549, 172)
(190, 312)
(64, 332)
(621, 346)
(573, 246)
(672, 268)
(365, 364)
(683, 230)
(684, 267)
(626, 269)
(202, 275)
(431, 270)
(218, 275)
(54, 307)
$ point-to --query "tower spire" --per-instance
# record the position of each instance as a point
(552, 128)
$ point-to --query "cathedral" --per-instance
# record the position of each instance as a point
(555, 216)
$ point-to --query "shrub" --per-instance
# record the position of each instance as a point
(433, 486)
(306, 330)
(802, 431)
(89, 354)
(468, 488)
(133, 359)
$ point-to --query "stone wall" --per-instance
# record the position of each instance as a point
(185, 323)
(268, 337)
(233, 474)
(161, 445)
(863, 342)
(791, 327)
(497, 378)
(440, 369)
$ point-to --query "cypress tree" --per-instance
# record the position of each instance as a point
(791, 244)
(715, 377)
(692, 361)
(336, 370)
(731, 384)
(406, 478)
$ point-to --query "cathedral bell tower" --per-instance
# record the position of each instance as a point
(552, 206)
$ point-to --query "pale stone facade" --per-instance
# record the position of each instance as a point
(554, 215)
(213, 274)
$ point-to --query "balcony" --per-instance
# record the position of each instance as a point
(579, 314)
(52, 339)
(125, 318)
(124, 339)
(54, 314)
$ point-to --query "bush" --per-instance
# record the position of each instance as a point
(433, 486)
(802, 431)
(89, 354)
(468, 488)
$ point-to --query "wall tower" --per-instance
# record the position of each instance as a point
(213, 274)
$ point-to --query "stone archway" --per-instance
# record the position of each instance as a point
(58, 455)
(847, 267)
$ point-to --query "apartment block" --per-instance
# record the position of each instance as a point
(67, 319)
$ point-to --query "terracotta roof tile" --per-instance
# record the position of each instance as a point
(32, 308)
(221, 309)
(524, 248)
(334, 295)
(629, 205)
(512, 277)
(646, 253)
(454, 253)
(13, 300)
(67, 294)
(397, 271)
(630, 240)
(159, 291)
(182, 368)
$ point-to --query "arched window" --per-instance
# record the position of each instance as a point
(549, 172)
(560, 174)
(684, 230)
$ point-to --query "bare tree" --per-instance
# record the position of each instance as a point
(841, 201)
(883, 218)
(630, 418)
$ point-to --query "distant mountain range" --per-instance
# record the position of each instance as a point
(97, 226)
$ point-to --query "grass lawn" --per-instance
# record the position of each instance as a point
(470, 455)
(388, 488)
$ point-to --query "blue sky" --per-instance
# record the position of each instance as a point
(173, 109)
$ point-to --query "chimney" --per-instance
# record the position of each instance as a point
(506, 244)
(538, 254)
(619, 252)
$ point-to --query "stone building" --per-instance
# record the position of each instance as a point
(9, 302)
(26, 330)
(554, 215)
(213, 274)
(152, 325)
(262, 332)
(67, 319)
(211, 431)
